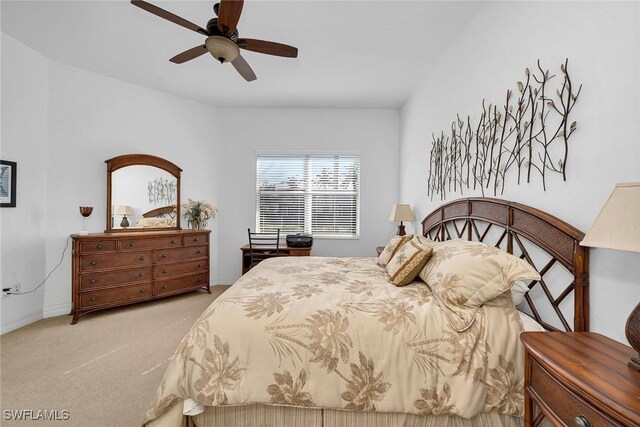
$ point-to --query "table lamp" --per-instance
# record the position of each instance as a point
(401, 212)
(618, 227)
(124, 211)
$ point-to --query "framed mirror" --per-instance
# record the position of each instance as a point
(143, 194)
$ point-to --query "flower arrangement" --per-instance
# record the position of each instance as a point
(198, 213)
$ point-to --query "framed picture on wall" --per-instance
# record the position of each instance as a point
(8, 173)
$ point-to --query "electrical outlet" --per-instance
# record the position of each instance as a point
(16, 288)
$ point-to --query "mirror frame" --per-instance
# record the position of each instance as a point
(120, 162)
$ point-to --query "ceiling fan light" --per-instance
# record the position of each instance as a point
(222, 49)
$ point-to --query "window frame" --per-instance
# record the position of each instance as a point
(308, 193)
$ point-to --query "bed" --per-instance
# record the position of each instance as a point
(324, 341)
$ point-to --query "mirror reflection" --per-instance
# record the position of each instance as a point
(143, 197)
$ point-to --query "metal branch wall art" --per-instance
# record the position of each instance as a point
(162, 191)
(527, 136)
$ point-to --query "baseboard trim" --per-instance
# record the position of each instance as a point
(20, 323)
(56, 310)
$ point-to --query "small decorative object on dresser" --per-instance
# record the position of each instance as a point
(579, 379)
(618, 227)
(8, 175)
(115, 269)
(401, 212)
(197, 213)
(85, 211)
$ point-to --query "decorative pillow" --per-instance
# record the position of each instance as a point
(464, 275)
(518, 290)
(392, 247)
(408, 262)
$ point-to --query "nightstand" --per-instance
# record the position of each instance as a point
(579, 379)
(379, 249)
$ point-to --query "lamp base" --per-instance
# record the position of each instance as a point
(82, 233)
(401, 231)
(632, 331)
(125, 222)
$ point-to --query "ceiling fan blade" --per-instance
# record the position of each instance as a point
(270, 48)
(244, 69)
(169, 16)
(190, 54)
(229, 14)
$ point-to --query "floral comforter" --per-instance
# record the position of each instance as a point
(334, 333)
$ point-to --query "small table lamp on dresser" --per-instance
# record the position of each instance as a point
(618, 227)
(401, 212)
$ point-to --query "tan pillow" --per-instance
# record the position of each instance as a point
(464, 275)
(392, 247)
(408, 262)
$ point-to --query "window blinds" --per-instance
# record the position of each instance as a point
(311, 193)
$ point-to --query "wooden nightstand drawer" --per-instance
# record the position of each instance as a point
(562, 402)
(579, 379)
(299, 252)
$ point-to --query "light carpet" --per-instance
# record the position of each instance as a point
(104, 370)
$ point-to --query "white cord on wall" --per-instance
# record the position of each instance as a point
(8, 290)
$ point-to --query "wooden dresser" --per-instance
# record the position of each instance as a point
(579, 379)
(115, 269)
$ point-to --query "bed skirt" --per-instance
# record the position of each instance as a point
(257, 415)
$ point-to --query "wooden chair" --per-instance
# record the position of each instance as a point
(263, 246)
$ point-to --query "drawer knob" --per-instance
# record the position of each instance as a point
(141, 274)
(98, 246)
(164, 271)
(199, 251)
(199, 265)
(93, 262)
(93, 280)
(93, 298)
(164, 256)
(582, 421)
(195, 239)
(142, 258)
(173, 241)
(142, 291)
(164, 286)
(199, 280)
(132, 244)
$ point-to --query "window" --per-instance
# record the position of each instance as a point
(311, 193)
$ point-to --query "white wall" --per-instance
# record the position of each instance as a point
(89, 118)
(375, 133)
(602, 42)
(25, 84)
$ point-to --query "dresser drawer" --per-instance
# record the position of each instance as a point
(563, 402)
(180, 283)
(142, 244)
(98, 246)
(116, 277)
(115, 295)
(299, 252)
(97, 262)
(181, 268)
(195, 240)
(180, 254)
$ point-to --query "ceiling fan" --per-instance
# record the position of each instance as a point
(222, 37)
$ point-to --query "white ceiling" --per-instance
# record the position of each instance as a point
(351, 53)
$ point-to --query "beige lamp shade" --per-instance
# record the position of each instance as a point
(124, 210)
(401, 212)
(618, 224)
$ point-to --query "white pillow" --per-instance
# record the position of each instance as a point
(518, 290)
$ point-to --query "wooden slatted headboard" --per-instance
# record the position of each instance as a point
(519, 229)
